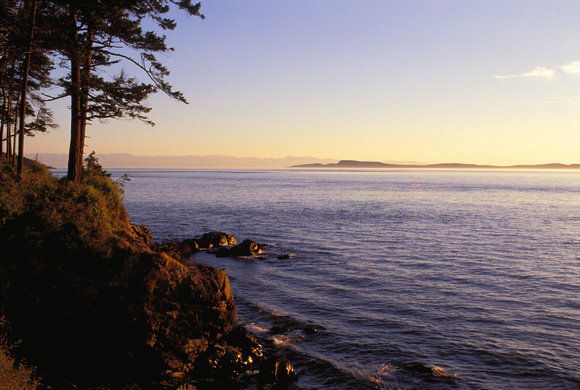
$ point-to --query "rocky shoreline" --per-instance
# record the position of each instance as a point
(92, 302)
(144, 318)
(238, 359)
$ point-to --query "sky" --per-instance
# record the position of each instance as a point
(429, 81)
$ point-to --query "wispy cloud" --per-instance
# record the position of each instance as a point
(572, 67)
(539, 72)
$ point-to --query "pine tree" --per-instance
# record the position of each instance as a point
(91, 35)
(24, 71)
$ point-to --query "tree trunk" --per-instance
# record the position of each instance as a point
(85, 87)
(4, 80)
(75, 154)
(23, 90)
(8, 140)
(13, 155)
(8, 118)
(14, 130)
(9, 122)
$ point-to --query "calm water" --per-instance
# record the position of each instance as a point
(415, 279)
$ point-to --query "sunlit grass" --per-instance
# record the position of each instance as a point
(14, 375)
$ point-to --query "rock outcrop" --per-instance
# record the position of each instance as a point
(137, 316)
(216, 239)
(96, 304)
(186, 307)
(246, 248)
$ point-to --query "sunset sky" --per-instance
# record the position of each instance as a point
(430, 81)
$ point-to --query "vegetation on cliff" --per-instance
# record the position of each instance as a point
(41, 214)
(14, 374)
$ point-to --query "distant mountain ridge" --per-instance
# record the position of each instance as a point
(126, 160)
(354, 164)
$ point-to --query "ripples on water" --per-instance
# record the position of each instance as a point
(416, 279)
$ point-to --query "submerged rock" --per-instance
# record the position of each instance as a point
(276, 330)
(309, 330)
(223, 252)
(428, 373)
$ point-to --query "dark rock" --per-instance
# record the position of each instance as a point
(170, 247)
(279, 330)
(222, 360)
(416, 367)
(143, 233)
(283, 256)
(188, 307)
(224, 363)
(310, 330)
(192, 244)
(239, 337)
(176, 248)
(216, 239)
(223, 252)
(246, 248)
(130, 317)
(278, 371)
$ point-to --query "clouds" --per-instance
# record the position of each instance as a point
(540, 72)
(572, 67)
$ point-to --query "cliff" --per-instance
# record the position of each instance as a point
(92, 305)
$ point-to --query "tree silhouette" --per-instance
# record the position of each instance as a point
(24, 71)
(93, 34)
(88, 36)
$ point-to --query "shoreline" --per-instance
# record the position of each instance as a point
(93, 302)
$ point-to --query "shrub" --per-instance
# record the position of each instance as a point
(41, 214)
(14, 376)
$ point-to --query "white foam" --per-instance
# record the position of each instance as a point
(255, 328)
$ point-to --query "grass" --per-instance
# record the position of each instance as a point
(14, 375)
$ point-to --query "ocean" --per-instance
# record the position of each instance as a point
(414, 279)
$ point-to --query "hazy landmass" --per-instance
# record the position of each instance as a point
(125, 160)
(350, 164)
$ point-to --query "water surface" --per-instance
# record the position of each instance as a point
(415, 279)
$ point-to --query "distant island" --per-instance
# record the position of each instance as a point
(353, 164)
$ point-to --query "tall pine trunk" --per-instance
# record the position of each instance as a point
(75, 154)
(24, 89)
(9, 119)
(9, 134)
(4, 80)
(85, 87)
